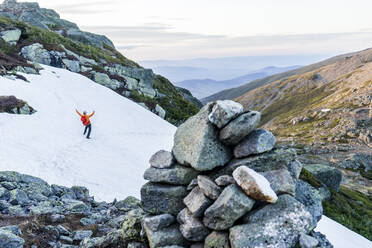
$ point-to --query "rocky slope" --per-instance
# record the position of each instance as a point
(327, 110)
(42, 41)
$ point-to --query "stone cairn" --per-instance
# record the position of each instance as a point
(225, 185)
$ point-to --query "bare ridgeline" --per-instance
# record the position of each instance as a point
(225, 185)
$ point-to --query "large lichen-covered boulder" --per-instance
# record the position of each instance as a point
(328, 175)
(131, 227)
(240, 127)
(232, 204)
(196, 143)
(275, 225)
(159, 198)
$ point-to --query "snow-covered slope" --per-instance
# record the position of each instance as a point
(340, 236)
(50, 143)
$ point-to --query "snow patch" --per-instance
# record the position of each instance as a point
(50, 143)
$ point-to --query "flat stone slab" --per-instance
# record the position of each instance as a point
(240, 127)
(176, 174)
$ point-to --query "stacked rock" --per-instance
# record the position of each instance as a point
(224, 185)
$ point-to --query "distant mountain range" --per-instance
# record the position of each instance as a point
(201, 88)
(224, 68)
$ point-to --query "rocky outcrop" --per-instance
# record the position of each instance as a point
(241, 202)
(48, 19)
(12, 105)
(328, 175)
(36, 213)
(93, 56)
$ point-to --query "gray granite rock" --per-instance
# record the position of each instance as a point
(196, 143)
(258, 141)
(232, 204)
(176, 174)
(191, 227)
(217, 240)
(224, 111)
(208, 187)
(197, 202)
(155, 223)
(275, 225)
(159, 198)
(328, 175)
(281, 181)
(162, 159)
(240, 127)
(224, 180)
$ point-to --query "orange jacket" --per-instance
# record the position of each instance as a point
(85, 118)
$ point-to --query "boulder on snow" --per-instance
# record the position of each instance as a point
(232, 204)
(196, 143)
(197, 202)
(328, 175)
(224, 111)
(176, 174)
(160, 198)
(240, 127)
(254, 184)
(275, 225)
(258, 141)
(191, 227)
(208, 187)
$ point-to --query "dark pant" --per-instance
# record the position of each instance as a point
(89, 129)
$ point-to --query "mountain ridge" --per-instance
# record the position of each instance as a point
(201, 88)
(238, 91)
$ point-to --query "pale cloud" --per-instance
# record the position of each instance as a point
(171, 29)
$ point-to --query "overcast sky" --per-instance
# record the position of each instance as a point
(181, 29)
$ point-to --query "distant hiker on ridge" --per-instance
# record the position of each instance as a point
(85, 119)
